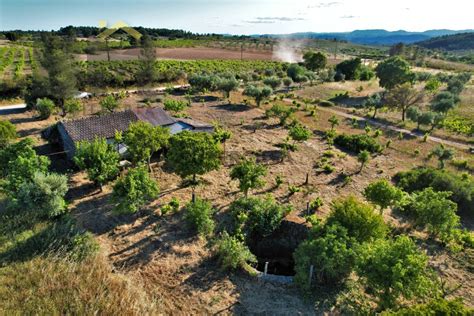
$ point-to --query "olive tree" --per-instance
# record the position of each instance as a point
(444, 101)
(134, 190)
(373, 103)
(443, 154)
(258, 93)
(143, 140)
(272, 82)
(99, 159)
(227, 85)
(363, 158)
(192, 154)
(7, 133)
(249, 174)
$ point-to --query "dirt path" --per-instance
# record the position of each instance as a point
(392, 128)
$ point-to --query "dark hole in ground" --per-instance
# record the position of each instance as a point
(278, 248)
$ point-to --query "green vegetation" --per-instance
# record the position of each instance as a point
(358, 143)
(109, 103)
(99, 159)
(249, 174)
(7, 133)
(383, 194)
(45, 108)
(134, 190)
(233, 253)
(259, 94)
(198, 214)
(394, 71)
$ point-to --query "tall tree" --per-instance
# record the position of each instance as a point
(403, 96)
(394, 71)
(314, 60)
(147, 73)
(59, 64)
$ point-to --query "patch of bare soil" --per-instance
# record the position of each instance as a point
(184, 53)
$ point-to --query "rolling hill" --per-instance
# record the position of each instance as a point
(464, 41)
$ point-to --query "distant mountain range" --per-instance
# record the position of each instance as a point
(372, 37)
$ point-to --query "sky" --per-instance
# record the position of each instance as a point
(241, 17)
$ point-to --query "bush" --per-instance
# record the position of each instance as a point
(7, 133)
(358, 143)
(45, 108)
(134, 190)
(233, 253)
(330, 253)
(359, 218)
(383, 194)
(109, 103)
(280, 111)
(256, 217)
(198, 214)
(174, 105)
(43, 194)
(249, 174)
(440, 180)
(433, 211)
(438, 306)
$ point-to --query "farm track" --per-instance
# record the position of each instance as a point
(376, 123)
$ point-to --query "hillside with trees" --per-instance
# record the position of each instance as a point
(464, 41)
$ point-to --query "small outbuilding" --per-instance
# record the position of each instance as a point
(106, 125)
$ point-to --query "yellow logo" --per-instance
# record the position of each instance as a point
(120, 25)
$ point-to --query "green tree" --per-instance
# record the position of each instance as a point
(444, 101)
(221, 135)
(299, 133)
(403, 96)
(432, 85)
(314, 60)
(227, 85)
(438, 306)
(360, 219)
(73, 106)
(249, 174)
(394, 269)
(7, 133)
(259, 94)
(45, 108)
(383, 194)
(350, 68)
(147, 72)
(198, 214)
(363, 158)
(330, 253)
(374, 103)
(192, 154)
(109, 103)
(272, 82)
(143, 140)
(433, 211)
(394, 71)
(175, 106)
(59, 63)
(443, 154)
(98, 159)
(20, 163)
(287, 82)
(134, 190)
(295, 72)
(201, 83)
(43, 194)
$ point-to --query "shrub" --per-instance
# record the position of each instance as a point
(198, 214)
(358, 143)
(233, 253)
(83, 245)
(134, 190)
(72, 106)
(7, 133)
(109, 103)
(394, 269)
(280, 111)
(433, 211)
(249, 173)
(330, 253)
(360, 219)
(43, 194)
(174, 105)
(440, 180)
(438, 306)
(383, 194)
(44, 107)
(316, 203)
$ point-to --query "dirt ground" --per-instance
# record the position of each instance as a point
(177, 268)
(185, 53)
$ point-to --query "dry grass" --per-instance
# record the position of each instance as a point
(58, 286)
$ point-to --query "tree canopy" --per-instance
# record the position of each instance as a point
(249, 174)
(143, 140)
(394, 71)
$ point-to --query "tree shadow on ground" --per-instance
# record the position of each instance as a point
(233, 107)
